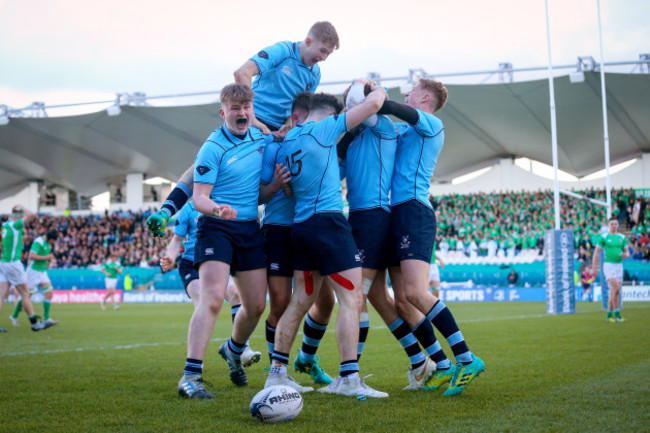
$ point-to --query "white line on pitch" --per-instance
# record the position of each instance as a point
(177, 343)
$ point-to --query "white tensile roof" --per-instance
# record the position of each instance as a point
(483, 123)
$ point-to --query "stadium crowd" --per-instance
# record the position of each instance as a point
(499, 224)
(89, 240)
(503, 224)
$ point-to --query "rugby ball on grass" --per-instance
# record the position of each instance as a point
(276, 403)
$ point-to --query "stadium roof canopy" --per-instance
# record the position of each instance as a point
(483, 123)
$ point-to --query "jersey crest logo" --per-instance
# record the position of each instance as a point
(263, 54)
(202, 169)
(286, 70)
(260, 150)
(308, 87)
(405, 242)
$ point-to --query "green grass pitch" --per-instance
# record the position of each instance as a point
(117, 371)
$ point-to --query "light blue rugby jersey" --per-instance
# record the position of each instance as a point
(282, 75)
(233, 167)
(280, 209)
(418, 148)
(309, 150)
(369, 166)
(186, 228)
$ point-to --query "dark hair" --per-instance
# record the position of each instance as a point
(325, 100)
(612, 218)
(302, 100)
(51, 235)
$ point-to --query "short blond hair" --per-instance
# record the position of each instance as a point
(437, 89)
(324, 32)
(236, 93)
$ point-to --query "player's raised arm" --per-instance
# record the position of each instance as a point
(246, 72)
(244, 75)
(27, 214)
(401, 111)
(367, 108)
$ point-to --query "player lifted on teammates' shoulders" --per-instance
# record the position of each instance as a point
(285, 69)
(281, 72)
(322, 239)
(419, 143)
(12, 271)
(226, 182)
(40, 254)
(615, 246)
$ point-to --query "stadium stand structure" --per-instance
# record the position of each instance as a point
(513, 222)
(484, 122)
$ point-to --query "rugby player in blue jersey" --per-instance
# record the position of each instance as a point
(226, 184)
(369, 163)
(276, 228)
(281, 72)
(322, 240)
(185, 234)
(419, 143)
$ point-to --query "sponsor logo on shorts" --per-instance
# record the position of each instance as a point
(274, 267)
(209, 251)
(187, 276)
(362, 256)
(405, 242)
(357, 258)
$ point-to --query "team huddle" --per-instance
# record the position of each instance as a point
(286, 147)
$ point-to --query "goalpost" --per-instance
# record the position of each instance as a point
(558, 243)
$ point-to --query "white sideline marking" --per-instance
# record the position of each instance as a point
(177, 343)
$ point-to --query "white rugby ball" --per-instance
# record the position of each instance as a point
(276, 403)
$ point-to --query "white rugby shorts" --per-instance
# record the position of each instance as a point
(36, 278)
(13, 272)
(613, 270)
(434, 272)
